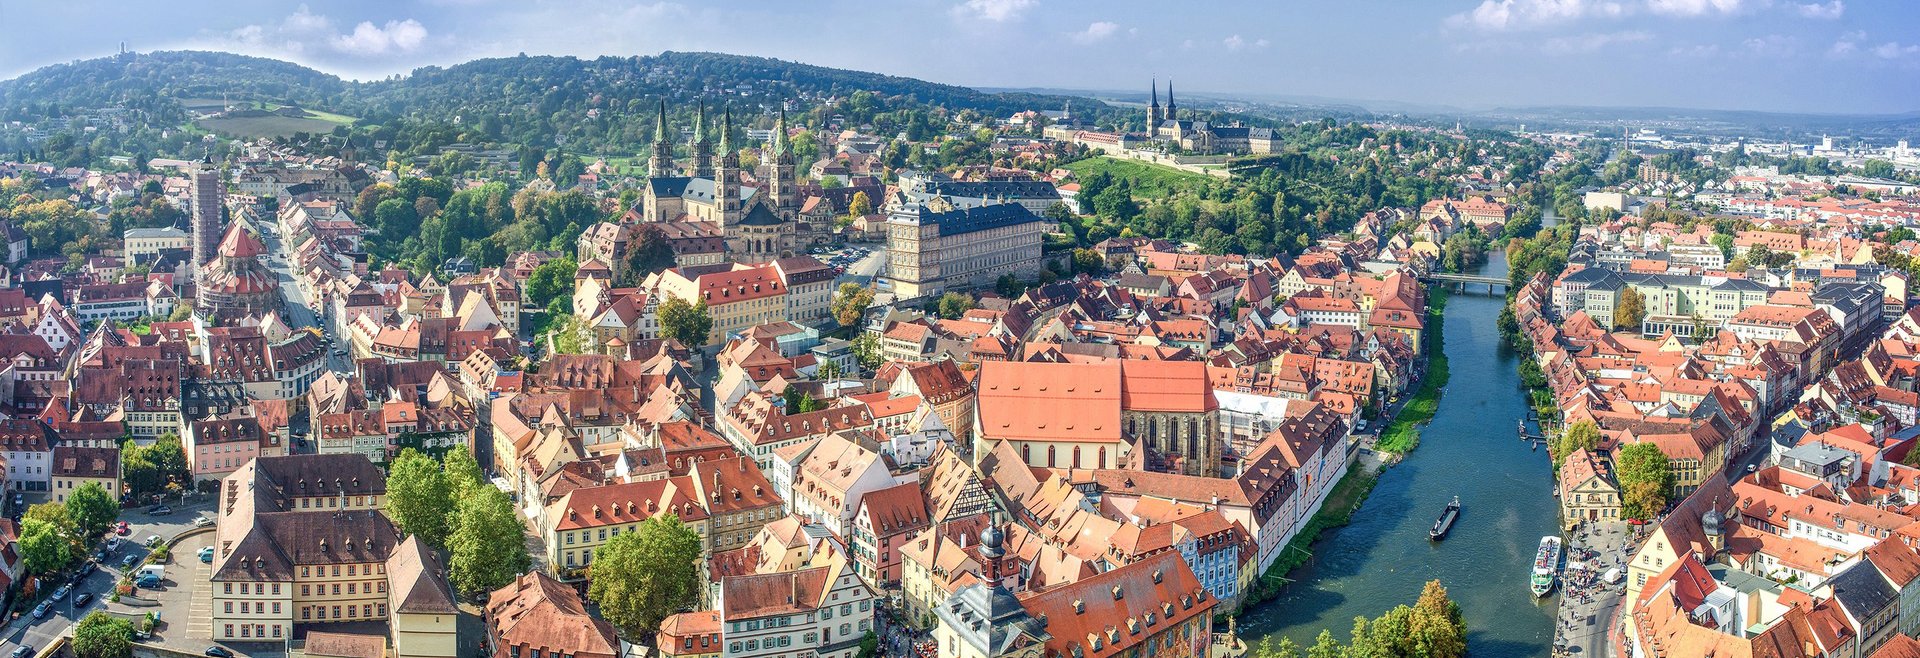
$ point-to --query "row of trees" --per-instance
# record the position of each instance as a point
(52, 535)
(448, 504)
(1431, 628)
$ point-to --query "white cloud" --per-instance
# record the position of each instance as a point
(304, 33)
(1695, 7)
(998, 11)
(1772, 45)
(1696, 50)
(1096, 32)
(1848, 44)
(367, 40)
(1896, 50)
(1503, 15)
(1519, 14)
(1821, 10)
(1587, 43)
(1238, 43)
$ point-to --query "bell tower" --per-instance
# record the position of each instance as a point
(702, 148)
(726, 177)
(780, 190)
(1153, 111)
(660, 164)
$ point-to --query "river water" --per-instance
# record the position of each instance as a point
(1470, 450)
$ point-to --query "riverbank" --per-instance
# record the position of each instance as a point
(1379, 557)
(1402, 435)
(1342, 501)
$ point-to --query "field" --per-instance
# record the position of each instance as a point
(248, 127)
(266, 126)
(1148, 179)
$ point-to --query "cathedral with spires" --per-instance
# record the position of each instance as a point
(762, 215)
(1203, 137)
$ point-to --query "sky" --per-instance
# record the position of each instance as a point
(1827, 56)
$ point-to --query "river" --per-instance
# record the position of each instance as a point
(1470, 450)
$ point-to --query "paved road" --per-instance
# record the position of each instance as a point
(299, 311)
(1586, 604)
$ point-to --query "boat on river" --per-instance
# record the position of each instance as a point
(1445, 522)
(1546, 565)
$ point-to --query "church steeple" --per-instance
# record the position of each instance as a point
(781, 185)
(660, 165)
(1153, 111)
(726, 177)
(702, 148)
(1171, 116)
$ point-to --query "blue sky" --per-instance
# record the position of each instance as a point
(1842, 56)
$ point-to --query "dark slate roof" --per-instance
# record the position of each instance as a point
(1862, 590)
(1589, 276)
(760, 215)
(670, 185)
(1011, 189)
(968, 220)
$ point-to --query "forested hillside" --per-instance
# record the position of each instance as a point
(604, 105)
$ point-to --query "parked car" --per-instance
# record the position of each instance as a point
(202, 522)
(122, 528)
(22, 651)
(217, 651)
(86, 569)
(152, 541)
(40, 611)
(128, 562)
(159, 510)
(83, 600)
(113, 544)
(206, 555)
(61, 593)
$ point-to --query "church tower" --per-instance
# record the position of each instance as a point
(1153, 111)
(726, 177)
(1171, 116)
(660, 164)
(702, 148)
(780, 190)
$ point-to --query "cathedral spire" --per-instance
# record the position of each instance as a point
(660, 163)
(780, 146)
(702, 148)
(1170, 115)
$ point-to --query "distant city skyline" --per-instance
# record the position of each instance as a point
(1824, 56)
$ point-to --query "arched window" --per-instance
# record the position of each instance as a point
(1076, 457)
(1102, 456)
(1049, 456)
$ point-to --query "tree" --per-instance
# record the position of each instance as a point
(869, 646)
(687, 323)
(1581, 435)
(463, 473)
(1324, 646)
(860, 205)
(1630, 311)
(641, 577)
(1646, 480)
(397, 219)
(830, 370)
(647, 252)
(99, 635)
(1436, 628)
(850, 303)
(488, 546)
(1724, 242)
(419, 497)
(92, 510)
(953, 305)
(549, 280)
(42, 547)
(866, 349)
